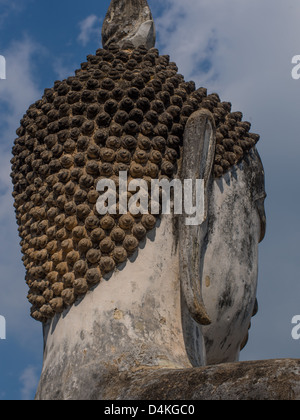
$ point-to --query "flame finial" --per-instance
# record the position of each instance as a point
(129, 20)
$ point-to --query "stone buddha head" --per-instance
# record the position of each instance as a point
(121, 291)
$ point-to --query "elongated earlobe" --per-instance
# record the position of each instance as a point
(198, 158)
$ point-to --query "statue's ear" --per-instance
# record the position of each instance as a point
(197, 164)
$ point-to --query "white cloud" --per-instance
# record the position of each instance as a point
(243, 51)
(29, 380)
(90, 28)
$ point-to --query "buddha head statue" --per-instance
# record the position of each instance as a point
(127, 290)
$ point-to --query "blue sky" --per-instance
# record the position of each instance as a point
(240, 49)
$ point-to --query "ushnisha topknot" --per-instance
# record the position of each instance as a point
(124, 110)
(129, 20)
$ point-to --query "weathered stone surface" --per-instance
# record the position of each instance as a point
(257, 380)
(198, 157)
(129, 20)
(138, 319)
(132, 320)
